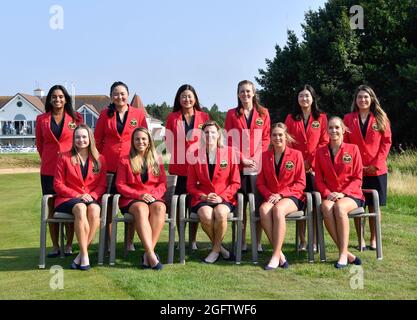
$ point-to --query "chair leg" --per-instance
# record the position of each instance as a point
(101, 242)
(239, 231)
(42, 245)
(171, 241)
(253, 221)
(310, 229)
(362, 232)
(125, 252)
(182, 241)
(320, 236)
(62, 239)
(296, 238)
(378, 237)
(113, 239)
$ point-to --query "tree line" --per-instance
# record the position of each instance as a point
(335, 58)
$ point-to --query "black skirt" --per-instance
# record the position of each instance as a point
(213, 205)
(379, 183)
(67, 206)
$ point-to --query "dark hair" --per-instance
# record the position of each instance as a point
(255, 102)
(68, 101)
(177, 104)
(112, 108)
(297, 113)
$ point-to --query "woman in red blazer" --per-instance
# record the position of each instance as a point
(113, 132)
(248, 129)
(339, 181)
(213, 182)
(281, 184)
(141, 181)
(369, 129)
(182, 131)
(54, 132)
(308, 126)
(80, 181)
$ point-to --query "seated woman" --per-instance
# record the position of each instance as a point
(281, 183)
(212, 183)
(339, 181)
(80, 181)
(141, 181)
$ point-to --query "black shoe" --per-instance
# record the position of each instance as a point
(371, 248)
(75, 266)
(159, 266)
(268, 268)
(285, 265)
(54, 254)
(356, 262)
(338, 265)
(85, 268)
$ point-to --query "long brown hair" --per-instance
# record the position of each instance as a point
(92, 150)
(260, 109)
(137, 162)
(376, 109)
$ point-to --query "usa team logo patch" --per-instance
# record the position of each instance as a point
(289, 165)
(133, 123)
(96, 170)
(200, 126)
(223, 164)
(72, 125)
(375, 126)
(259, 122)
(315, 125)
(347, 158)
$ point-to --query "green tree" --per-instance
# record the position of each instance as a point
(335, 59)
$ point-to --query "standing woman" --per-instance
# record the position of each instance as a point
(307, 124)
(113, 133)
(80, 181)
(54, 135)
(184, 118)
(281, 183)
(369, 129)
(141, 181)
(248, 129)
(339, 181)
(213, 183)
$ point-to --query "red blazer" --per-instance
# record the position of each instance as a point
(48, 146)
(131, 187)
(176, 142)
(308, 141)
(69, 182)
(344, 176)
(110, 143)
(226, 177)
(375, 147)
(243, 139)
(292, 177)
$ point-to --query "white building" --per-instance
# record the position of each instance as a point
(18, 116)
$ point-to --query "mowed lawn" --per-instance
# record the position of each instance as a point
(395, 277)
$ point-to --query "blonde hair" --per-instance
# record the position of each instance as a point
(137, 162)
(380, 115)
(92, 150)
(210, 123)
(344, 127)
(288, 137)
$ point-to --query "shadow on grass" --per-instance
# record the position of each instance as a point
(26, 259)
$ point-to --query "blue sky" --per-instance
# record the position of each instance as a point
(153, 46)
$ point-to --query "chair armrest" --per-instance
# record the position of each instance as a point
(104, 203)
(115, 206)
(240, 206)
(173, 208)
(47, 201)
(183, 206)
(375, 198)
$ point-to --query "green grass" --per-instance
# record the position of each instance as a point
(405, 162)
(395, 277)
